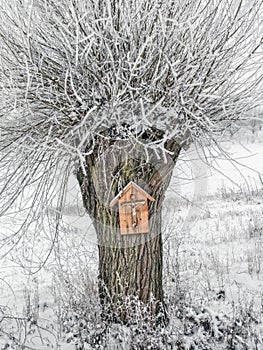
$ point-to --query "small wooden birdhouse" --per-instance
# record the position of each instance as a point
(133, 209)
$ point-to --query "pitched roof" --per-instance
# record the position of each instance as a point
(126, 188)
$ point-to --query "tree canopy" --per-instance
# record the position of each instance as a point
(144, 71)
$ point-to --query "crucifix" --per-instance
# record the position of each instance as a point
(133, 209)
(134, 206)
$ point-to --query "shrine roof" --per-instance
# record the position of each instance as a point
(126, 188)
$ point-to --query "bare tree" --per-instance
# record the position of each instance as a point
(115, 89)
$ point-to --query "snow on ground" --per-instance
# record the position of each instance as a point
(213, 226)
(206, 173)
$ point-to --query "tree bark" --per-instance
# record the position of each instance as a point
(130, 266)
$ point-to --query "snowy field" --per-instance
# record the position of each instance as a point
(213, 233)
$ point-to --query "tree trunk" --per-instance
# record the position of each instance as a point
(130, 266)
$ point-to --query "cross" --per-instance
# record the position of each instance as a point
(134, 205)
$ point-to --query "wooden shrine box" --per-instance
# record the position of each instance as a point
(133, 209)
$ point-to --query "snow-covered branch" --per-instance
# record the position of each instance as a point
(72, 69)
